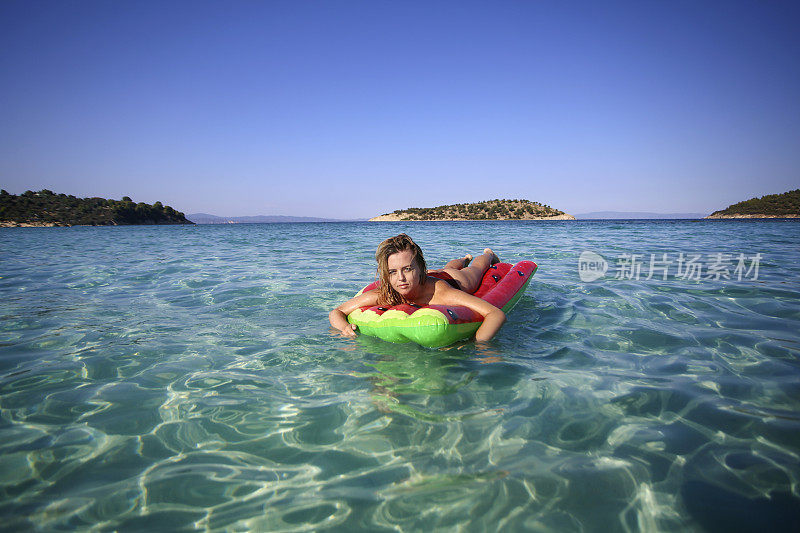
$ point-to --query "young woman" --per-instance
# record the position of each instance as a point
(405, 279)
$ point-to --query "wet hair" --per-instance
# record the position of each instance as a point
(386, 293)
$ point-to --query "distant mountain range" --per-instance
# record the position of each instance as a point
(205, 218)
(623, 215)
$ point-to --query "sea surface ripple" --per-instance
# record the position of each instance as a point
(185, 377)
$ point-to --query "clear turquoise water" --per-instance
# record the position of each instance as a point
(171, 378)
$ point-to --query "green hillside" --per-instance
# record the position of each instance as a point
(46, 208)
(787, 203)
(488, 210)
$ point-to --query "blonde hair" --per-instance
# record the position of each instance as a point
(386, 293)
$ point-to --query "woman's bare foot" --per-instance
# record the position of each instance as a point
(467, 259)
(495, 259)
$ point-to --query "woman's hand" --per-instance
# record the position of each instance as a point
(339, 321)
(349, 331)
(338, 317)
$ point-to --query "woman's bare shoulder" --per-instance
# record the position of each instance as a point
(444, 293)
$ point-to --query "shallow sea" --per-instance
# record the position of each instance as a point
(174, 378)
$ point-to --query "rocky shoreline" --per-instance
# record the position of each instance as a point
(391, 217)
(12, 224)
(15, 224)
(719, 216)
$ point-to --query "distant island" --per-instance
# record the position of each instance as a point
(488, 210)
(786, 205)
(46, 208)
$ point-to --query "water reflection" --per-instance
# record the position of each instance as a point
(407, 376)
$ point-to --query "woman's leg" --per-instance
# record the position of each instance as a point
(469, 277)
(460, 263)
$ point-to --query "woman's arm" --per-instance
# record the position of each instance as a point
(493, 317)
(492, 322)
(338, 317)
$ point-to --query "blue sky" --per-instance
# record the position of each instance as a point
(350, 109)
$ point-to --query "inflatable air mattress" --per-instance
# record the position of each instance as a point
(440, 325)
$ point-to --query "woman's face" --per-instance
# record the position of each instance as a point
(404, 273)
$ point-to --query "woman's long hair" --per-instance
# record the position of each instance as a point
(386, 294)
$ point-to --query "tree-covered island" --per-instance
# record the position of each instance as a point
(46, 208)
(488, 210)
(785, 205)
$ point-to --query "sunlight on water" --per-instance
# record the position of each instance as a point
(185, 377)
